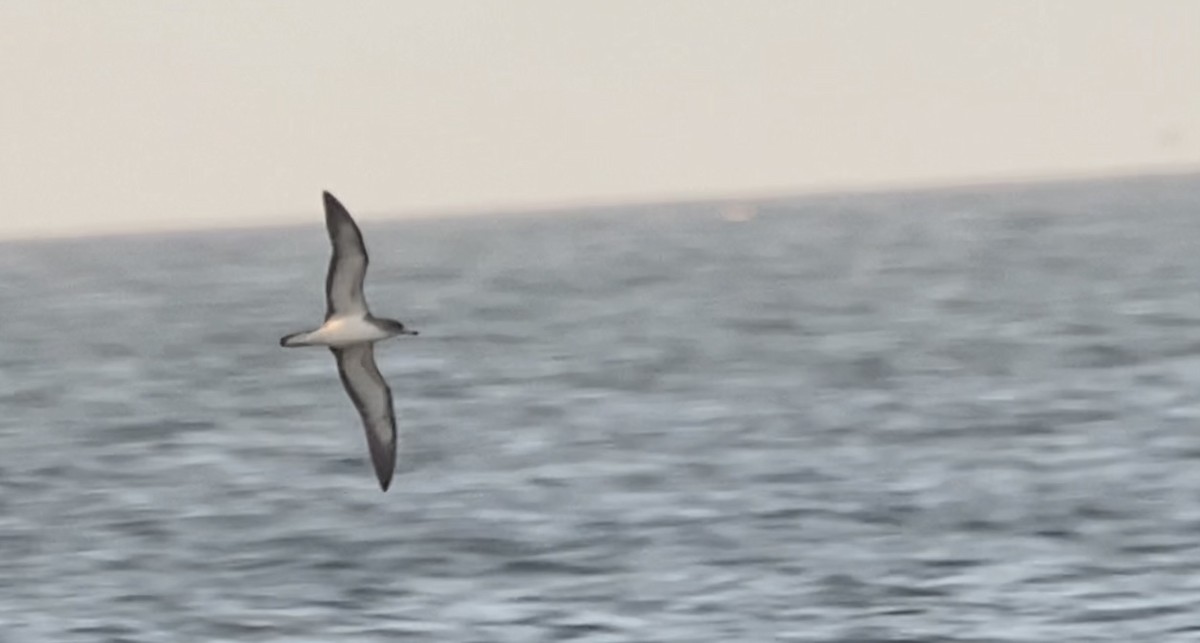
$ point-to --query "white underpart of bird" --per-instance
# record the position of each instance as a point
(350, 331)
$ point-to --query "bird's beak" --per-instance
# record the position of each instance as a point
(410, 332)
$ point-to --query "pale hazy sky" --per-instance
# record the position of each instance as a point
(149, 114)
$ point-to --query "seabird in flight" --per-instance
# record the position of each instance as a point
(350, 331)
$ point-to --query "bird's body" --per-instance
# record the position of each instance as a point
(341, 331)
(350, 331)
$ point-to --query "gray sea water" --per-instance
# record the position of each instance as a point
(968, 415)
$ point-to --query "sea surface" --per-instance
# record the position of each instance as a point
(966, 415)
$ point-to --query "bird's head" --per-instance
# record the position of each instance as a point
(396, 327)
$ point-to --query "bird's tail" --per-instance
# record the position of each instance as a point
(295, 339)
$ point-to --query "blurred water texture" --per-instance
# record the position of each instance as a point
(963, 415)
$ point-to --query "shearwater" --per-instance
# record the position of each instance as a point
(350, 331)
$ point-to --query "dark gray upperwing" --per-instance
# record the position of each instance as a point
(373, 399)
(347, 266)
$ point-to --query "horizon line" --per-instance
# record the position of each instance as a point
(729, 197)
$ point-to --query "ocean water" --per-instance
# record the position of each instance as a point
(955, 416)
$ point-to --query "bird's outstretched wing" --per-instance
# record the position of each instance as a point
(373, 399)
(347, 265)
